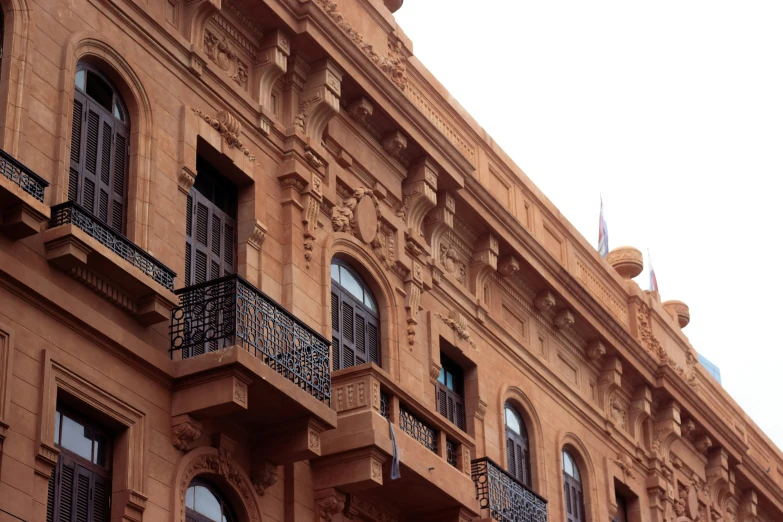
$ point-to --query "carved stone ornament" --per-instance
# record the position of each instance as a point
(625, 463)
(394, 143)
(595, 350)
(452, 262)
(419, 194)
(360, 216)
(327, 507)
(680, 311)
(361, 110)
(457, 322)
(688, 428)
(229, 128)
(508, 266)
(264, 476)
(545, 301)
(319, 101)
(703, 444)
(564, 318)
(393, 64)
(185, 180)
(257, 235)
(222, 53)
(184, 434)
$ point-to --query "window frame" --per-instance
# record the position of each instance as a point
(340, 297)
(516, 443)
(573, 490)
(79, 173)
(456, 394)
(85, 420)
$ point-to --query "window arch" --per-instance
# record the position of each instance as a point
(205, 503)
(355, 320)
(517, 446)
(572, 489)
(100, 133)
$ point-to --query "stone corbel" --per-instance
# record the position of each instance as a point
(328, 502)
(703, 444)
(414, 285)
(595, 350)
(360, 110)
(419, 196)
(185, 430)
(186, 179)
(256, 236)
(666, 429)
(319, 100)
(720, 486)
(564, 318)
(271, 63)
(483, 263)
(545, 301)
(394, 143)
(748, 507)
(508, 266)
(688, 430)
(263, 476)
(440, 219)
(196, 14)
(609, 380)
(641, 407)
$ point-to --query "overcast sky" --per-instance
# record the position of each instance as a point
(673, 110)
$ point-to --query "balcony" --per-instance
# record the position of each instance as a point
(434, 454)
(109, 263)
(241, 356)
(21, 199)
(503, 498)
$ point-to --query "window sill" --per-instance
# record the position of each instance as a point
(73, 250)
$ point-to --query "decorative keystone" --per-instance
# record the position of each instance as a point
(627, 261)
(680, 311)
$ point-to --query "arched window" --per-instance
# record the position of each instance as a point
(204, 503)
(572, 489)
(517, 447)
(355, 323)
(100, 133)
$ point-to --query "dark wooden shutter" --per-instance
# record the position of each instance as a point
(210, 240)
(450, 405)
(77, 494)
(622, 509)
(572, 491)
(99, 162)
(355, 338)
(518, 456)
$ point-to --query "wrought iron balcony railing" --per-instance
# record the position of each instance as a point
(228, 311)
(71, 213)
(28, 180)
(504, 498)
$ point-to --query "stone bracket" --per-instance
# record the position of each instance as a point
(319, 100)
(640, 411)
(483, 263)
(290, 442)
(419, 196)
(350, 471)
(271, 63)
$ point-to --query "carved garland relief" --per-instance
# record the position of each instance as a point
(359, 214)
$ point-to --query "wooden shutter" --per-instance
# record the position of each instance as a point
(622, 509)
(572, 491)
(77, 494)
(450, 405)
(99, 162)
(210, 240)
(518, 456)
(355, 338)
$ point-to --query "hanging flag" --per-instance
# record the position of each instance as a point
(653, 280)
(603, 233)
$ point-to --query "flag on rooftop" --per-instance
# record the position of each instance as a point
(653, 279)
(603, 233)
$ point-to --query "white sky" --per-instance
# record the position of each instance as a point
(673, 110)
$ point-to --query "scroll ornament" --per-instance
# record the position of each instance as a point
(229, 128)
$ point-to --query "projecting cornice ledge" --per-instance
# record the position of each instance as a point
(660, 375)
(363, 65)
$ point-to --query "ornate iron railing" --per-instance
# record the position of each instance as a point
(28, 180)
(71, 213)
(228, 311)
(385, 404)
(417, 429)
(504, 498)
(451, 452)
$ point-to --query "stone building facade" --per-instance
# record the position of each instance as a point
(257, 265)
